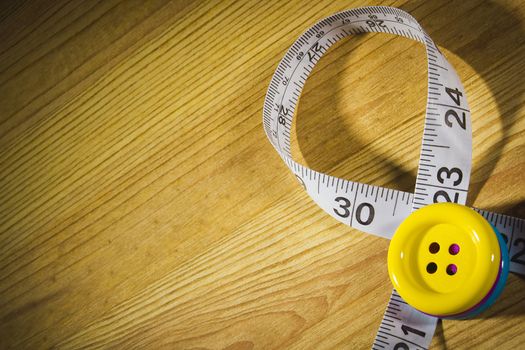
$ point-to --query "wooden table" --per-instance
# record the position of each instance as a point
(143, 207)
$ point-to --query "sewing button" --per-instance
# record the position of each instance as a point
(446, 260)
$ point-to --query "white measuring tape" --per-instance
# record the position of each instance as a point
(444, 165)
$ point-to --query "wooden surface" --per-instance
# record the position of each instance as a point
(143, 207)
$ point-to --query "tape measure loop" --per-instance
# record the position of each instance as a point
(445, 158)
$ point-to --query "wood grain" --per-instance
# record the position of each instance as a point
(143, 207)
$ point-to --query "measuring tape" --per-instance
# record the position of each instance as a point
(444, 165)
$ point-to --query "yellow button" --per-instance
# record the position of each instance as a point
(444, 259)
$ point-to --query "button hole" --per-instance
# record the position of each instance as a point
(431, 267)
(453, 249)
(452, 269)
(433, 248)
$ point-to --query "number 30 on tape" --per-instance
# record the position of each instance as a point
(444, 165)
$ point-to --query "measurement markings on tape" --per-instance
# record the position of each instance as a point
(444, 165)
